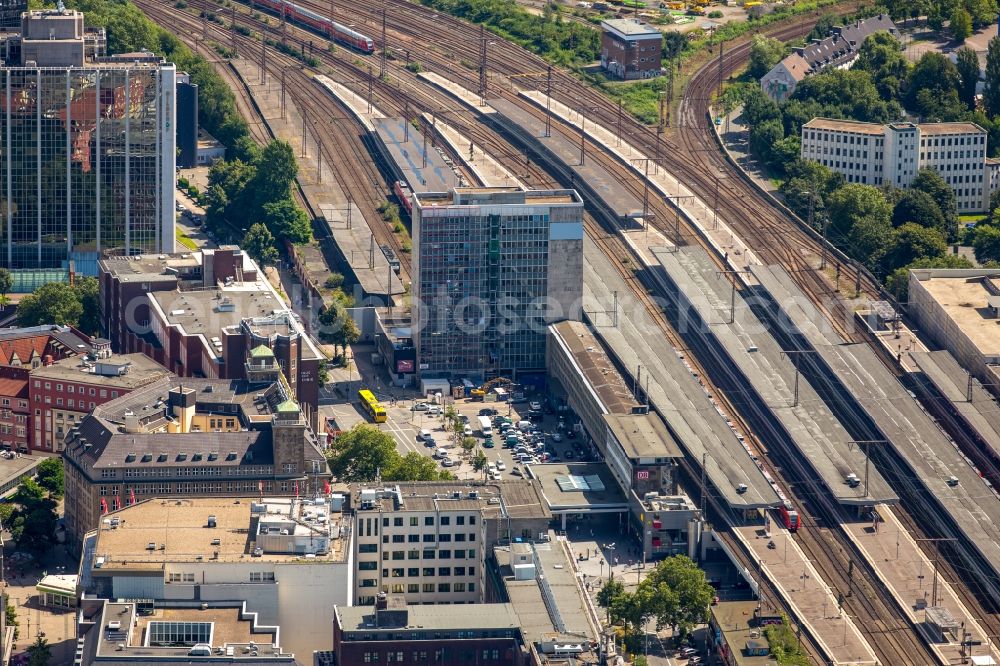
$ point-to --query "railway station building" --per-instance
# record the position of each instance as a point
(492, 267)
(89, 151)
(892, 154)
(631, 49)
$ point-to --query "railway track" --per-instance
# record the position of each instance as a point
(895, 641)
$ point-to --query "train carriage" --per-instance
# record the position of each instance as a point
(789, 517)
(319, 23)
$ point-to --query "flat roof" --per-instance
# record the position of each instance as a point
(861, 127)
(845, 126)
(965, 300)
(950, 128)
(691, 415)
(733, 619)
(352, 235)
(405, 147)
(815, 431)
(631, 28)
(606, 184)
(520, 498)
(581, 493)
(433, 617)
(596, 367)
(500, 196)
(177, 529)
(211, 310)
(229, 627)
(142, 371)
(643, 435)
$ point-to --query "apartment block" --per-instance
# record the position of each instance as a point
(287, 560)
(427, 542)
(186, 438)
(88, 150)
(200, 314)
(492, 268)
(892, 154)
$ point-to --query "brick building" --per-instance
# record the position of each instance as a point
(65, 391)
(631, 49)
(188, 438)
(450, 635)
(200, 314)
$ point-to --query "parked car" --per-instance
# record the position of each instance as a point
(488, 443)
(433, 410)
(487, 411)
(535, 405)
(448, 462)
(556, 437)
(420, 406)
(467, 431)
(501, 465)
(516, 471)
(424, 435)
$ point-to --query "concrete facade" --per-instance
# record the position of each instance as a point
(892, 154)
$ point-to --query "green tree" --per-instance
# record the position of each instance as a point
(467, 444)
(39, 653)
(852, 202)
(846, 94)
(611, 590)
(918, 206)
(932, 84)
(88, 291)
(986, 243)
(764, 137)
(931, 182)
(346, 334)
(870, 241)
(881, 55)
(961, 24)
(259, 244)
(914, 241)
(246, 150)
(12, 619)
(6, 284)
(361, 453)
(991, 90)
(276, 172)
(286, 220)
(414, 467)
(673, 44)
(681, 593)
(50, 476)
(32, 524)
(823, 27)
(765, 53)
(967, 64)
(52, 303)
(479, 461)
(129, 30)
(994, 202)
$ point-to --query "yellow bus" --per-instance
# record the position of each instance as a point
(371, 405)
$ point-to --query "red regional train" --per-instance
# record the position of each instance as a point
(403, 193)
(790, 517)
(328, 27)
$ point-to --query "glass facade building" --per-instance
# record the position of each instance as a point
(86, 157)
(492, 268)
(10, 12)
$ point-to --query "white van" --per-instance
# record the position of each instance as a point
(524, 426)
(485, 426)
(425, 435)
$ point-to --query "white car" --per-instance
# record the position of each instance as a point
(495, 476)
(425, 435)
(433, 410)
(535, 405)
(467, 431)
(501, 465)
(421, 407)
(448, 462)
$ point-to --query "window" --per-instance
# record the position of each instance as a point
(368, 548)
(413, 588)
(428, 587)
(444, 554)
(413, 521)
(428, 571)
(261, 576)
(444, 587)
(397, 573)
(368, 566)
(399, 538)
(397, 522)
(444, 537)
(412, 572)
(459, 571)
(429, 521)
(397, 554)
(460, 587)
(459, 520)
(413, 554)
(385, 522)
(428, 538)
(444, 571)
(429, 553)
(459, 537)
(413, 538)
(472, 520)
(371, 657)
(445, 520)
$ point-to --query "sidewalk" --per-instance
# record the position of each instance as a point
(736, 136)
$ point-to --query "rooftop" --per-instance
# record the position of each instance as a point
(515, 498)
(19, 345)
(845, 126)
(127, 371)
(438, 617)
(147, 535)
(576, 487)
(211, 310)
(405, 147)
(496, 196)
(733, 619)
(796, 66)
(127, 637)
(595, 365)
(631, 28)
(965, 298)
(643, 435)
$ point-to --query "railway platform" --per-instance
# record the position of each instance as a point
(462, 94)
(803, 589)
(488, 171)
(700, 213)
(908, 574)
(364, 113)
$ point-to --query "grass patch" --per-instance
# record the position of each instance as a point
(184, 239)
(972, 218)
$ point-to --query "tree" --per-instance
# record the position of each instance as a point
(881, 55)
(12, 619)
(246, 150)
(914, 241)
(346, 333)
(128, 30)
(679, 577)
(286, 220)
(853, 202)
(763, 138)
(673, 44)
(40, 653)
(611, 590)
(961, 24)
(935, 74)
(986, 243)
(870, 240)
(88, 291)
(479, 461)
(276, 171)
(823, 27)
(52, 303)
(991, 91)
(6, 284)
(467, 444)
(361, 453)
(765, 53)
(259, 244)
(415, 467)
(967, 64)
(50, 476)
(32, 524)
(931, 182)
(994, 202)
(918, 206)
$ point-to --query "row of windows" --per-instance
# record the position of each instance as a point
(173, 472)
(427, 538)
(414, 521)
(415, 554)
(414, 572)
(417, 656)
(72, 388)
(417, 588)
(155, 489)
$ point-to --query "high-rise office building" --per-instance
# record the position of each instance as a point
(10, 12)
(87, 148)
(492, 267)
